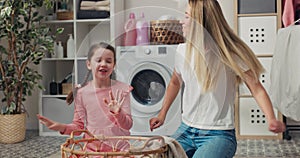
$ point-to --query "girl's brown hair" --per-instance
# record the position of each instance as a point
(92, 50)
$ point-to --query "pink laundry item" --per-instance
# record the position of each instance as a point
(92, 114)
(289, 10)
(288, 14)
(297, 4)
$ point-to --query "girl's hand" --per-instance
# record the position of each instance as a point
(50, 124)
(276, 126)
(115, 104)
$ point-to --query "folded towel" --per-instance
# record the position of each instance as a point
(175, 150)
(92, 14)
(95, 8)
(92, 3)
(92, 0)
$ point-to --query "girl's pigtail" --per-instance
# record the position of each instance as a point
(72, 94)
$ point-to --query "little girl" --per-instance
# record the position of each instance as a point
(102, 105)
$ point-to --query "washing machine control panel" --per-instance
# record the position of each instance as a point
(147, 51)
(155, 51)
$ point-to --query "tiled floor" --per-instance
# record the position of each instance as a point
(269, 148)
(34, 146)
(40, 147)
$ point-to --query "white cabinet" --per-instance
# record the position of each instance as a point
(85, 32)
(257, 25)
(252, 121)
(264, 77)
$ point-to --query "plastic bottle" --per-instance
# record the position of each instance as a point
(54, 54)
(70, 47)
(53, 87)
(130, 31)
(142, 31)
(60, 50)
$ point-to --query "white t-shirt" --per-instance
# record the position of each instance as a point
(211, 110)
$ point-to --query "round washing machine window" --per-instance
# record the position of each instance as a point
(149, 81)
(149, 87)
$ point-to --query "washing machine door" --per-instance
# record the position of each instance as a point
(149, 80)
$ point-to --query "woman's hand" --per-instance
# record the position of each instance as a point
(51, 124)
(115, 103)
(276, 126)
(156, 122)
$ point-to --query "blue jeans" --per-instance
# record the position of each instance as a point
(199, 143)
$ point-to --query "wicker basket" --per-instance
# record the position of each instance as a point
(166, 32)
(137, 146)
(64, 15)
(12, 128)
(66, 88)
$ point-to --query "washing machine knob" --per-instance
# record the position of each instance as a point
(147, 51)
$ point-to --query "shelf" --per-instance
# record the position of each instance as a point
(81, 58)
(245, 96)
(58, 59)
(54, 96)
(264, 55)
(95, 21)
(257, 14)
(89, 21)
(59, 22)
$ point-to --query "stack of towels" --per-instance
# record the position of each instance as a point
(93, 9)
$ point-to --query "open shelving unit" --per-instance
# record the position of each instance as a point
(256, 22)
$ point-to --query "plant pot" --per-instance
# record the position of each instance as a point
(12, 128)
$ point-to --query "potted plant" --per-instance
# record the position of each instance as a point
(24, 40)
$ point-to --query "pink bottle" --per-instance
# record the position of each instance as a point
(142, 31)
(130, 31)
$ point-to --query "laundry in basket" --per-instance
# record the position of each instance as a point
(137, 147)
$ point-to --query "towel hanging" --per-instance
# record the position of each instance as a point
(285, 74)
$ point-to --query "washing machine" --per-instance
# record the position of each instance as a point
(148, 70)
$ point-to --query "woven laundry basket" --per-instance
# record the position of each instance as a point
(166, 32)
(64, 15)
(12, 128)
(138, 147)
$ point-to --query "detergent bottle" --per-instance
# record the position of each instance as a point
(130, 31)
(70, 47)
(142, 31)
(60, 50)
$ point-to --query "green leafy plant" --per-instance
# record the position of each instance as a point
(24, 40)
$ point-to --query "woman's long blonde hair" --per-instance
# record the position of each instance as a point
(207, 18)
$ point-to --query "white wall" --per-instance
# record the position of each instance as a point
(154, 9)
(31, 105)
(228, 11)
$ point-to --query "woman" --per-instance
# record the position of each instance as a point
(210, 64)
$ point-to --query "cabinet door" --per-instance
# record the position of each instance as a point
(256, 24)
(264, 77)
(57, 110)
(259, 33)
(252, 121)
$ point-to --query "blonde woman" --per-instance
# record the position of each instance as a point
(209, 65)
